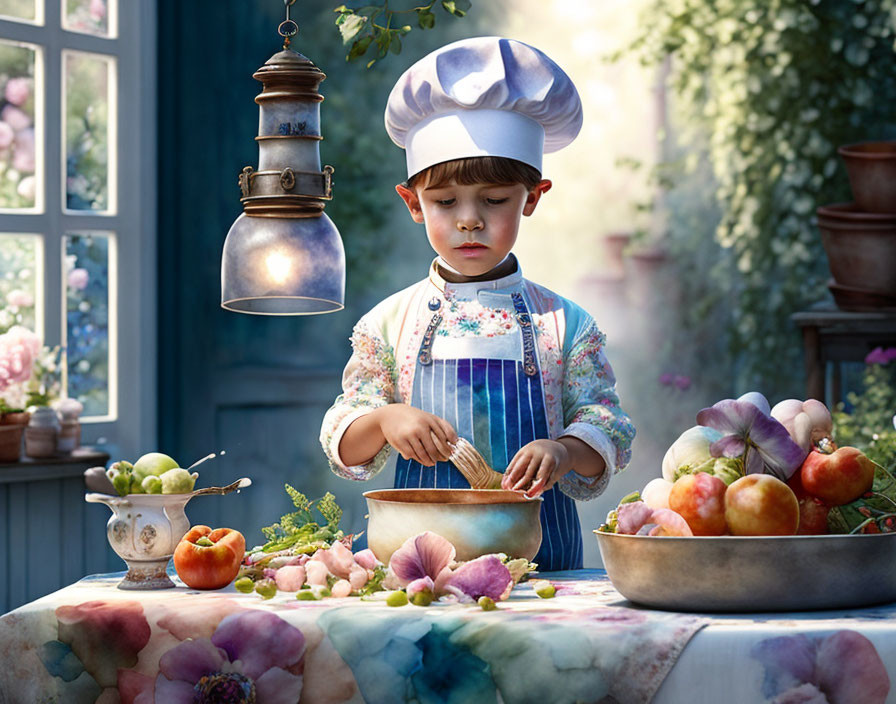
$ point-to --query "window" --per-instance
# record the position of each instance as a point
(77, 201)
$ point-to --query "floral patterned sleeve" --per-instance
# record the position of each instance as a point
(368, 382)
(591, 410)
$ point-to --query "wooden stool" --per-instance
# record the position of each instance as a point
(834, 335)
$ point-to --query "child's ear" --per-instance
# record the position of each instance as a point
(535, 194)
(409, 196)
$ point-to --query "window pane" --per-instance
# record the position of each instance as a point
(88, 123)
(21, 282)
(18, 9)
(88, 16)
(17, 115)
(87, 320)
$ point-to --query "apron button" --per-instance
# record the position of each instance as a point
(434, 303)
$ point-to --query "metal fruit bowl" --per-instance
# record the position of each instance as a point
(752, 574)
(476, 521)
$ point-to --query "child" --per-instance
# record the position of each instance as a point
(475, 350)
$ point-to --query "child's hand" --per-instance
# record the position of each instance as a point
(415, 434)
(537, 467)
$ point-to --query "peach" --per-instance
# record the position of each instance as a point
(760, 504)
(837, 478)
(700, 499)
(656, 493)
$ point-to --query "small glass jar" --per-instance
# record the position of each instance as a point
(68, 410)
(42, 433)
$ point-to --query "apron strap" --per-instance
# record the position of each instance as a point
(424, 356)
(525, 322)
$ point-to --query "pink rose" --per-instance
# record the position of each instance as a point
(18, 90)
(15, 118)
(19, 298)
(23, 158)
(78, 278)
(7, 134)
(97, 10)
(18, 349)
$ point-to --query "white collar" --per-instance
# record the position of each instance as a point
(471, 288)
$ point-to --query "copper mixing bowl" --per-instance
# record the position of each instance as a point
(476, 521)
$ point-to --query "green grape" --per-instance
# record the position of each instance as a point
(306, 595)
(397, 598)
(544, 589)
(422, 598)
(266, 588)
(487, 603)
(244, 585)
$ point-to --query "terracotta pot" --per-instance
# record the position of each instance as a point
(849, 298)
(16, 418)
(11, 442)
(861, 248)
(871, 167)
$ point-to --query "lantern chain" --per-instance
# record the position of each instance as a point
(287, 28)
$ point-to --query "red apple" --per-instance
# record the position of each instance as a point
(837, 478)
(700, 499)
(760, 504)
(813, 512)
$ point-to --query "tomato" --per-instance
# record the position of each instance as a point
(209, 559)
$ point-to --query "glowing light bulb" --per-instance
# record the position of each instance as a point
(279, 267)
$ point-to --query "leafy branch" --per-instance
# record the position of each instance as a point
(372, 26)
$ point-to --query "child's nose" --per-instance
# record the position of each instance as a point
(468, 221)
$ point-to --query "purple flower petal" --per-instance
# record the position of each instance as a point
(780, 454)
(484, 576)
(424, 555)
(851, 670)
(877, 356)
(632, 516)
(804, 694)
(278, 686)
(754, 463)
(728, 446)
(729, 416)
(177, 692)
(260, 640)
(192, 660)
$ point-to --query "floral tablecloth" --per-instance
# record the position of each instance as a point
(91, 642)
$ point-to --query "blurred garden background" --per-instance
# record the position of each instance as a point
(682, 217)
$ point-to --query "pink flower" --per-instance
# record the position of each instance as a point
(290, 578)
(18, 90)
(424, 555)
(15, 118)
(7, 134)
(484, 576)
(78, 279)
(879, 355)
(97, 10)
(18, 349)
(682, 382)
(19, 298)
(23, 157)
(666, 379)
(367, 559)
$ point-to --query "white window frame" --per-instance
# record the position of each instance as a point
(132, 281)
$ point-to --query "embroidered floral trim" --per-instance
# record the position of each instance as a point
(470, 318)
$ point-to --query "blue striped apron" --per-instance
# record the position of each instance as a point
(498, 405)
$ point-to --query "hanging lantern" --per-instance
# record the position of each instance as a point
(283, 255)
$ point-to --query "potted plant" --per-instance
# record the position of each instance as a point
(871, 167)
(28, 378)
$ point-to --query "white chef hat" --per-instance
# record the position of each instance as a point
(485, 96)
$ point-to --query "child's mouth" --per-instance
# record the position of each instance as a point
(472, 245)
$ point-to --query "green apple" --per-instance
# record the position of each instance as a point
(152, 484)
(153, 464)
(178, 481)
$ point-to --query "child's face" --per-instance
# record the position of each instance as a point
(472, 227)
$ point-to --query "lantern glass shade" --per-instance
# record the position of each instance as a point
(283, 266)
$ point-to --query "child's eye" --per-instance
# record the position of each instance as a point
(446, 201)
(495, 201)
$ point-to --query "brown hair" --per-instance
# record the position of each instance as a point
(477, 169)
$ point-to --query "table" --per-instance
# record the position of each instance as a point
(834, 335)
(91, 642)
